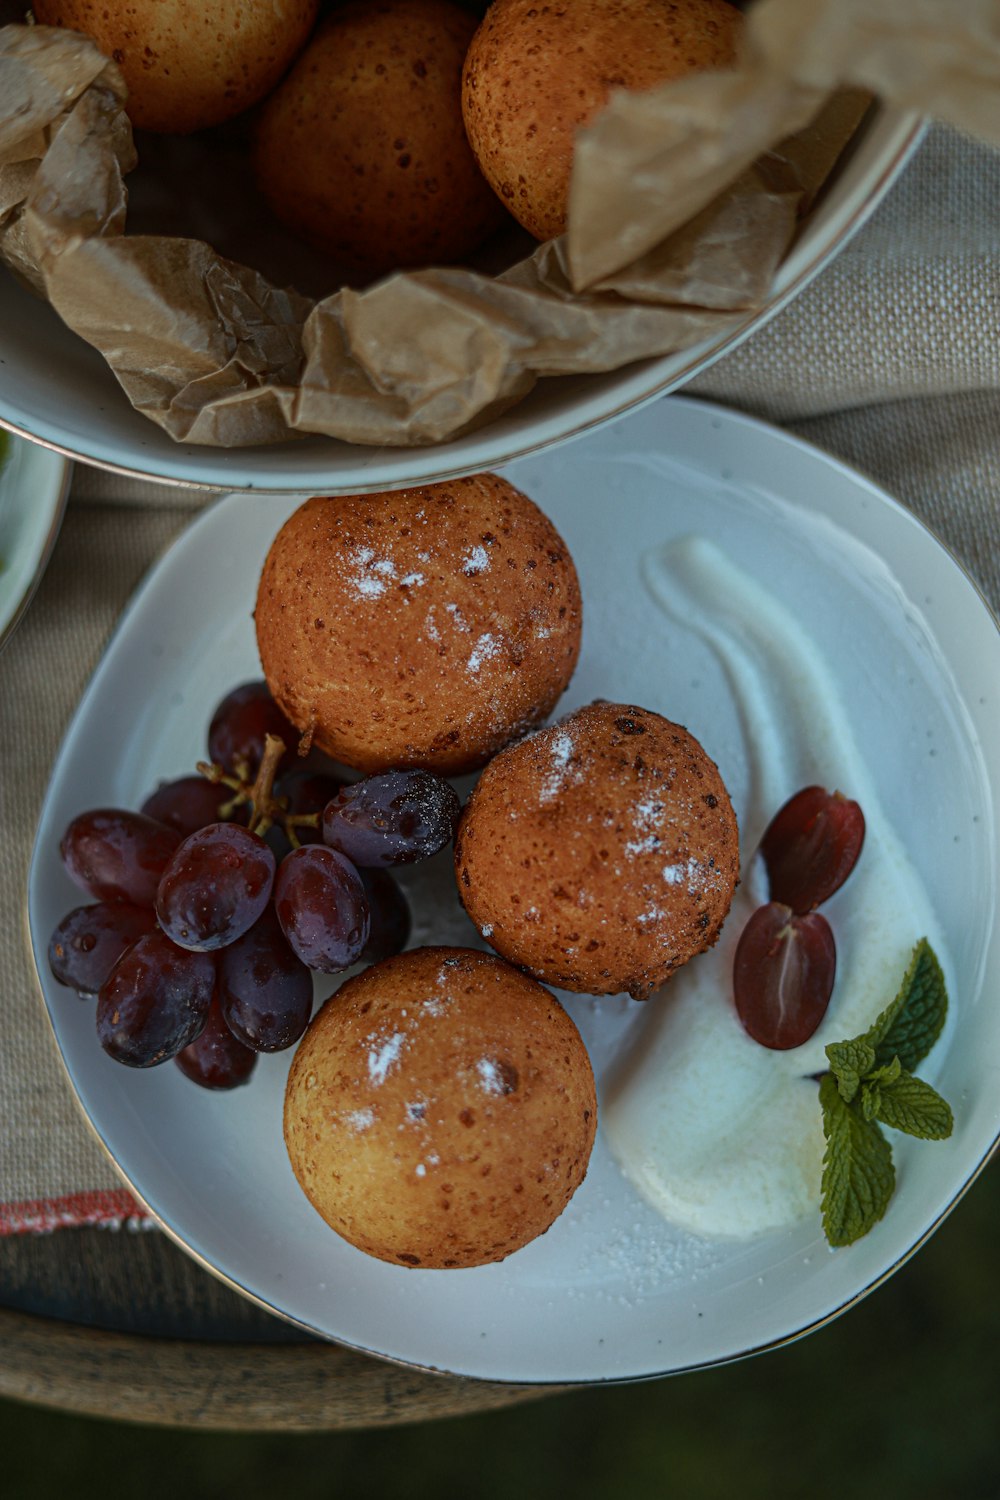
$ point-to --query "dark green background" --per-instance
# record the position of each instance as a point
(898, 1398)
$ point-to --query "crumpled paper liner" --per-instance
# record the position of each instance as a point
(683, 202)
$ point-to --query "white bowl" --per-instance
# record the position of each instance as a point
(56, 389)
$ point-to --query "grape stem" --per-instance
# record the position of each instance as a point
(263, 803)
(265, 807)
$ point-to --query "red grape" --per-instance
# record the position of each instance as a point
(117, 855)
(216, 1060)
(783, 975)
(393, 818)
(187, 804)
(241, 724)
(215, 887)
(322, 907)
(390, 917)
(811, 846)
(265, 991)
(89, 942)
(308, 792)
(154, 1002)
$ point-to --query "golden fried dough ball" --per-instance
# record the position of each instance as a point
(535, 74)
(602, 853)
(425, 627)
(362, 150)
(190, 63)
(440, 1110)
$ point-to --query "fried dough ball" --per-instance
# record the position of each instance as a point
(189, 64)
(362, 151)
(425, 627)
(602, 853)
(535, 74)
(440, 1110)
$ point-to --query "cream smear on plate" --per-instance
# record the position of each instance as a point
(721, 1135)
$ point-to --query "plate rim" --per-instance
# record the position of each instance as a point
(702, 407)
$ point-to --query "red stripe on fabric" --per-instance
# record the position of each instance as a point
(42, 1215)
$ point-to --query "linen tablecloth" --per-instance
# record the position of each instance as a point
(890, 360)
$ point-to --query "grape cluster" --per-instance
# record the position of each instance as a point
(219, 897)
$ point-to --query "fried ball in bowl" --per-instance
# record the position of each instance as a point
(440, 1111)
(361, 150)
(419, 628)
(189, 66)
(602, 853)
(536, 74)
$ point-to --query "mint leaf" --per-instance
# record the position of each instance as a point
(871, 1088)
(849, 1062)
(909, 1027)
(888, 1074)
(907, 1103)
(858, 1175)
(871, 1099)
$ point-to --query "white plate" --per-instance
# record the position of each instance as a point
(611, 1291)
(58, 390)
(34, 483)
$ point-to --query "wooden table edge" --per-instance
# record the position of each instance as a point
(227, 1386)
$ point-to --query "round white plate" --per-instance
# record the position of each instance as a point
(58, 390)
(612, 1291)
(34, 484)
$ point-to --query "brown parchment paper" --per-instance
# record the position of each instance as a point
(683, 202)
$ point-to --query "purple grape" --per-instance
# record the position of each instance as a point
(89, 942)
(155, 1001)
(265, 991)
(308, 792)
(117, 855)
(390, 917)
(216, 1060)
(241, 724)
(322, 907)
(278, 842)
(215, 887)
(394, 818)
(188, 804)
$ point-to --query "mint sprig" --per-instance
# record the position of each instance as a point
(870, 1084)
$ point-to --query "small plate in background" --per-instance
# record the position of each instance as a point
(34, 484)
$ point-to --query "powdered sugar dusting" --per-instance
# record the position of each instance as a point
(644, 845)
(490, 1080)
(475, 561)
(560, 754)
(486, 648)
(647, 817)
(381, 1059)
(371, 575)
(699, 875)
(360, 1119)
